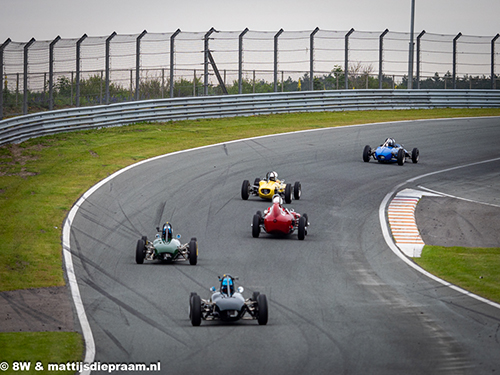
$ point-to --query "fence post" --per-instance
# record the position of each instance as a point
(77, 78)
(51, 72)
(455, 60)
(493, 86)
(25, 76)
(240, 61)
(108, 42)
(172, 55)
(381, 57)
(2, 47)
(346, 58)
(138, 63)
(276, 59)
(311, 58)
(418, 57)
(205, 62)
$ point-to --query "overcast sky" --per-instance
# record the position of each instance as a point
(21, 20)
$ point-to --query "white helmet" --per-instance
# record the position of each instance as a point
(273, 176)
(277, 199)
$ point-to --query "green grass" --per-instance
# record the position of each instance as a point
(40, 180)
(474, 269)
(41, 347)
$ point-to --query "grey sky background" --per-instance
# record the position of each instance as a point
(20, 20)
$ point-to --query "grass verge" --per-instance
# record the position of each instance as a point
(38, 350)
(473, 269)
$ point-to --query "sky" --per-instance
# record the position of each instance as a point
(21, 20)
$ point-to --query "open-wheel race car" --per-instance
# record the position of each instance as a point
(269, 186)
(166, 248)
(390, 152)
(227, 304)
(280, 220)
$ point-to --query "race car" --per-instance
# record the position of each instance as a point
(280, 220)
(228, 304)
(390, 152)
(267, 187)
(166, 248)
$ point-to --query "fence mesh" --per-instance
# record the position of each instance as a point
(138, 66)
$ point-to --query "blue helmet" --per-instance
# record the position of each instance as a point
(227, 285)
(166, 233)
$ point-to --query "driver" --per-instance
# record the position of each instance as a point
(227, 286)
(390, 142)
(166, 233)
(272, 176)
(277, 199)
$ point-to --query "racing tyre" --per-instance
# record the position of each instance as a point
(366, 153)
(139, 251)
(297, 190)
(262, 306)
(302, 227)
(401, 156)
(195, 310)
(288, 193)
(256, 181)
(193, 252)
(245, 190)
(415, 154)
(256, 226)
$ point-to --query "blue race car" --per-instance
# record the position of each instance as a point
(390, 152)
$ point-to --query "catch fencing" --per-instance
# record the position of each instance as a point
(63, 73)
(21, 128)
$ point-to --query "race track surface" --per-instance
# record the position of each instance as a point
(340, 302)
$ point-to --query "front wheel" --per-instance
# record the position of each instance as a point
(245, 190)
(140, 251)
(193, 252)
(415, 154)
(401, 156)
(366, 153)
(302, 227)
(288, 193)
(195, 309)
(262, 306)
(256, 226)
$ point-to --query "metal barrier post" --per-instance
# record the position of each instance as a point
(418, 57)
(346, 58)
(2, 47)
(381, 57)
(493, 86)
(108, 42)
(138, 63)
(25, 76)
(206, 62)
(454, 78)
(311, 58)
(77, 78)
(276, 59)
(51, 72)
(172, 55)
(240, 61)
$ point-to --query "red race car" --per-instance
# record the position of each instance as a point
(280, 220)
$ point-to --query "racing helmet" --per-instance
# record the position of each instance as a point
(166, 233)
(391, 142)
(277, 199)
(272, 176)
(227, 286)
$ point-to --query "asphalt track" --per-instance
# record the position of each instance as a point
(340, 302)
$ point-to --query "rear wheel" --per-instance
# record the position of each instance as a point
(288, 193)
(256, 226)
(415, 154)
(245, 190)
(262, 306)
(256, 181)
(140, 251)
(366, 153)
(297, 190)
(195, 309)
(401, 156)
(193, 251)
(302, 227)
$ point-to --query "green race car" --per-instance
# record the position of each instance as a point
(166, 248)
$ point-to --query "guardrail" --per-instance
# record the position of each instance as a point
(19, 129)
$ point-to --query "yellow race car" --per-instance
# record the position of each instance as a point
(267, 187)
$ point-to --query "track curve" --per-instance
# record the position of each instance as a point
(340, 301)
